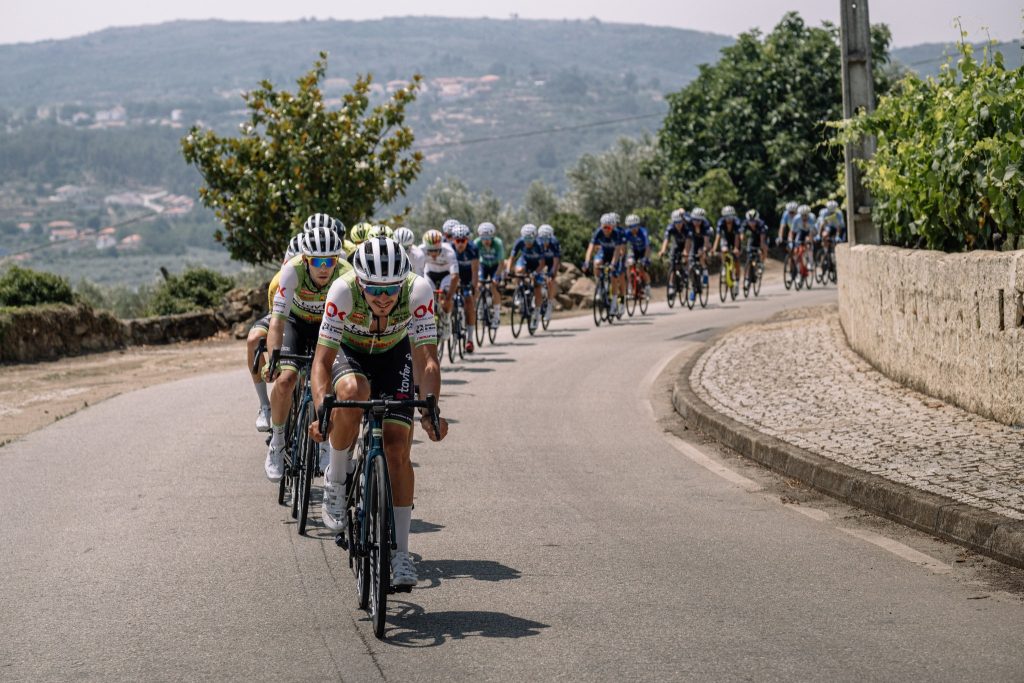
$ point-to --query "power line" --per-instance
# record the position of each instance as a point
(542, 131)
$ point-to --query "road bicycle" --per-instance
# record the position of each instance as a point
(602, 296)
(369, 531)
(486, 325)
(636, 291)
(753, 271)
(443, 320)
(695, 280)
(459, 334)
(726, 282)
(798, 269)
(679, 279)
(302, 453)
(523, 305)
(825, 270)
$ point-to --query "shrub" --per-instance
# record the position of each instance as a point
(195, 289)
(26, 287)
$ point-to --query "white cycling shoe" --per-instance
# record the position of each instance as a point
(274, 466)
(403, 570)
(332, 510)
(263, 420)
(496, 318)
(547, 314)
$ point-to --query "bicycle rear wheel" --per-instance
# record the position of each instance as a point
(546, 302)
(693, 283)
(310, 452)
(463, 333)
(703, 293)
(379, 542)
(670, 290)
(632, 294)
(643, 299)
(758, 276)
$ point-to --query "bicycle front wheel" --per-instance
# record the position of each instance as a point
(379, 545)
(643, 299)
(310, 451)
(758, 275)
(632, 294)
(483, 319)
(788, 271)
(723, 282)
(598, 304)
(515, 317)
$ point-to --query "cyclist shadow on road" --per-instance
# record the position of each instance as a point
(433, 572)
(412, 626)
(420, 526)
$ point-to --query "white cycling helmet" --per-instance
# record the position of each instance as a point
(610, 219)
(322, 220)
(791, 206)
(698, 213)
(321, 241)
(632, 220)
(752, 215)
(528, 231)
(448, 225)
(486, 230)
(460, 232)
(294, 247)
(678, 216)
(728, 212)
(803, 209)
(545, 232)
(404, 237)
(380, 261)
(831, 205)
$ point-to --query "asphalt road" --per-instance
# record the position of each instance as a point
(562, 532)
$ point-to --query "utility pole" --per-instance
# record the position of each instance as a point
(858, 93)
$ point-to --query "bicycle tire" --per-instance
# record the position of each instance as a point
(643, 300)
(463, 335)
(809, 279)
(515, 314)
(483, 319)
(671, 293)
(598, 304)
(545, 321)
(492, 329)
(703, 295)
(723, 282)
(691, 283)
(379, 541)
(759, 275)
(309, 450)
(631, 296)
(788, 275)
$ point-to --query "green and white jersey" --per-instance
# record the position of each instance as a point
(298, 295)
(347, 318)
(492, 255)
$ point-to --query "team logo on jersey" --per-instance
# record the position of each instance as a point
(281, 291)
(422, 310)
(357, 318)
(332, 311)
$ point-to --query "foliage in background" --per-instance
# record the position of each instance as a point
(716, 189)
(193, 290)
(295, 157)
(761, 113)
(451, 198)
(24, 287)
(949, 166)
(121, 300)
(619, 179)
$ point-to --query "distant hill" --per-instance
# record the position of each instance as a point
(927, 58)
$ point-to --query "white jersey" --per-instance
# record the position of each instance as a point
(445, 261)
(416, 258)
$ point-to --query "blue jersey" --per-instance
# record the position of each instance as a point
(677, 234)
(729, 231)
(787, 219)
(638, 241)
(551, 250)
(758, 231)
(699, 230)
(532, 254)
(465, 260)
(609, 242)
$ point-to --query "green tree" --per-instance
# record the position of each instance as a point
(949, 167)
(195, 289)
(451, 198)
(296, 157)
(761, 113)
(716, 189)
(619, 179)
(540, 202)
(25, 287)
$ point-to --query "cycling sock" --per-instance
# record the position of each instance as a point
(261, 391)
(277, 436)
(403, 521)
(341, 464)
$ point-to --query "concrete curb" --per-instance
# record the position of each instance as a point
(984, 532)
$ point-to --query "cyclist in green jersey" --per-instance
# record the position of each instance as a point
(492, 263)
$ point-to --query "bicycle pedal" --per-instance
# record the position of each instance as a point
(341, 541)
(400, 589)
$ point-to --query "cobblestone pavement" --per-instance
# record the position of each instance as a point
(798, 380)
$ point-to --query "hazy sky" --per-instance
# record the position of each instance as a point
(912, 21)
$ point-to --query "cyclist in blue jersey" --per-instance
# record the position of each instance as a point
(805, 227)
(639, 243)
(757, 239)
(552, 258)
(608, 247)
(700, 236)
(469, 272)
(528, 257)
(728, 237)
(786, 224)
(447, 227)
(492, 263)
(676, 234)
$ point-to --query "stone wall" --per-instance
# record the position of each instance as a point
(57, 330)
(948, 325)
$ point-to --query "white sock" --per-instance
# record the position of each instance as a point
(277, 436)
(261, 391)
(403, 520)
(341, 464)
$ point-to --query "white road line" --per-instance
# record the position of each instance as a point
(900, 550)
(814, 513)
(712, 465)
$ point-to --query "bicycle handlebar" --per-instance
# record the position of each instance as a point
(384, 404)
(276, 357)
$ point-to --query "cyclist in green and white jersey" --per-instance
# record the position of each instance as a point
(377, 333)
(295, 316)
(492, 263)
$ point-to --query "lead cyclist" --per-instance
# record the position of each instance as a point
(378, 333)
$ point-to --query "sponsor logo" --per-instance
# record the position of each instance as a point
(332, 311)
(406, 384)
(357, 318)
(423, 310)
(281, 291)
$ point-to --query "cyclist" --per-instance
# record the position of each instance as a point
(607, 246)
(757, 242)
(377, 333)
(552, 251)
(297, 308)
(440, 266)
(805, 227)
(529, 258)
(469, 271)
(405, 238)
(356, 236)
(831, 224)
(729, 236)
(492, 263)
(700, 234)
(786, 224)
(639, 243)
(447, 227)
(676, 232)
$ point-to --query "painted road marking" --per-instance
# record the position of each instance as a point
(904, 551)
(814, 513)
(707, 463)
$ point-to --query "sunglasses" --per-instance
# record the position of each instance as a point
(322, 261)
(461, 240)
(382, 290)
(432, 250)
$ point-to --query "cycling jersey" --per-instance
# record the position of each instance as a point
(551, 250)
(347, 317)
(443, 261)
(417, 258)
(638, 241)
(728, 231)
(490, 255)
(465, 260)
(700, 231)
(608, 242)
(530, 256)
(676, 234)
(298, 296)
(788, 219)
(832, 222)
(758, 232)
(804, 227)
